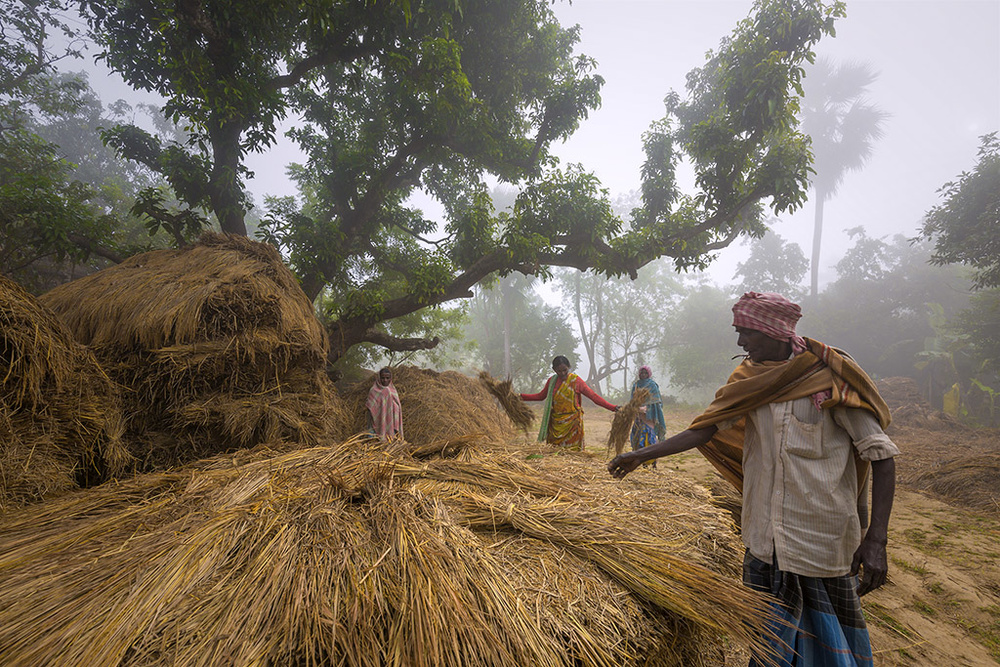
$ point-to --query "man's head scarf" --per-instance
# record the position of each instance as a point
(771, 314)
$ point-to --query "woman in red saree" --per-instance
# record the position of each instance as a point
(562, 418)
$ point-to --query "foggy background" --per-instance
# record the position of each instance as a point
(939, 79)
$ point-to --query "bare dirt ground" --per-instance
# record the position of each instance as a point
(941, 606)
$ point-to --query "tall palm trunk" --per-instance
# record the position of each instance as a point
(817, 245)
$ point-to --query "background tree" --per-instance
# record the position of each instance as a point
(881, 307)
(538, 332)
(400, 97)
(843, 127)
(773, 266)
(965, 229)
(701, 344)
(50, 220)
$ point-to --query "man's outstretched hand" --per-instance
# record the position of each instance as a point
(623, 464)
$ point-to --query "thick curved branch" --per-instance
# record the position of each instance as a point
(328, 56)
(95, 248)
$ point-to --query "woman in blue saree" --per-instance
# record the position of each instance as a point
(649, 426)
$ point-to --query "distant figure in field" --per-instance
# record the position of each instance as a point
(796, 429)
(385, 414)
(562, 418)
(649, 426)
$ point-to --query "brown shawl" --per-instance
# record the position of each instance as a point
(751, 385)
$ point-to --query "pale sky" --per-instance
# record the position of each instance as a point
(939, 64)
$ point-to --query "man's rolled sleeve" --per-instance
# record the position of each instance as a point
(869, 439)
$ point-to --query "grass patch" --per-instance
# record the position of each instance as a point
(882, 617)
(924, 608)
(904, 565)
(936, 588)
(989, 636)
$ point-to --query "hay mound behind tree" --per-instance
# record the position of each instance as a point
(502, 390)
(436, 406)
(625, 416)
(216, 345)
(60, 424)
(356, 555)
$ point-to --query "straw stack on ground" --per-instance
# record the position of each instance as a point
(502, 390)
(358, 554)
(436, 406)
(966, 481)
(217, 346)
(621, 426)
(60, 424)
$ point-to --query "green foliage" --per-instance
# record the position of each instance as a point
(27, 55)
(41, 206)
(773, 266)
(966, 226)
(701, 343)
(879, 309)
(434, 97)
(980, 322)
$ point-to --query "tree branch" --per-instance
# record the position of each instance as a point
(399, 344)
(95, 248)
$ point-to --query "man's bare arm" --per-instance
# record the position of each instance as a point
(626, 462)
(870, 558)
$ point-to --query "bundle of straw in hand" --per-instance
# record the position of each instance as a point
(516, 409)
(622, 424)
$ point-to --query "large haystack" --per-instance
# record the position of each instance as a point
(60, 423)
(437, 406)
(217, 346)
(358, 554)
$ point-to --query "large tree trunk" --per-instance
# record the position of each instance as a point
(224, 189)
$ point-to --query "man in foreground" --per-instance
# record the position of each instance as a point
(796, 428)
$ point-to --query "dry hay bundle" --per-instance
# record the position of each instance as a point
(59, 418)
(900, 391)
(502, 390)
(215, 344)
(436, 406)
(625, 416)
(969, 481)
(356, 555)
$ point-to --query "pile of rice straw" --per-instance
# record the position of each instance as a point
(60, 424)
(217, 346)
(356, 554)
(436, 406)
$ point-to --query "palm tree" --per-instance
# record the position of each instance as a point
(844, 127)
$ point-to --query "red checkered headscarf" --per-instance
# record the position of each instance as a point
(771, 314)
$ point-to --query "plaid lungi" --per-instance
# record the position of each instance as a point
(825, 626)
